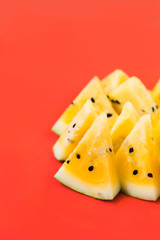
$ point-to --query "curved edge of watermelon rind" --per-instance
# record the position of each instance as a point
(59, 127)
(58, 153)
(144, 192)
(76, 184)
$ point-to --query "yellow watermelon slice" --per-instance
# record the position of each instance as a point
(90, 168)
(113, 80)
(134, 91)
(137, 162)
(75, 131)
(155, 93)
(93, 91)
(124, 124)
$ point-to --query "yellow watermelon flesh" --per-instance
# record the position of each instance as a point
(137, 162)
(113, 80)
(90, 168)
(93, 91)
(155, 93)
(75, 131)
(134, 91)
(156, 130)
(124, 124)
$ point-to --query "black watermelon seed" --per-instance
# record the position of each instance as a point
(152, 109)
(135, 172)
(91, 168)
(78, 155)
(110, 149)
(157, 106)
(74, 125)
(116, 101)
(108, 96)
(72, 103)
(68, 161)
(109, 114)
(150, 175)
(131, 150)
(142, 110)
(92, 99)
(69, 140)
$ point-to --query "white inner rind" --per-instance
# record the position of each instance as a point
(58, 153)
(59, 127)
(104, 191)
(142, 191)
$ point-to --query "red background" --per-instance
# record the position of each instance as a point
(49, 50)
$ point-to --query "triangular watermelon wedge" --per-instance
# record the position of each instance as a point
(124, 124)
(113, 80)
(137, 162)
(133, 90)
(96, 94)
(75, 131)
(90, 168)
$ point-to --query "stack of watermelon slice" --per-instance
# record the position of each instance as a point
(110, 139)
